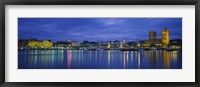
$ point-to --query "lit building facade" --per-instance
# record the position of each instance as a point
(46, 44)
(33, 44)
(165, 37)
(152, 35)
(153, 41)
(38, 44)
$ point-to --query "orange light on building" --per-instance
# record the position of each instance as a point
(165, 37)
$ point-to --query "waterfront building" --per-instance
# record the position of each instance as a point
(33, 44)
(116, 44)
(121, 45)
(148, 43)
(152, 35)
(62, 44)
(22, 44)
(175, 43)
(39, 44)
(108, 46)
(165, 37)
(46, 44)
(153, 41)
(75, 43)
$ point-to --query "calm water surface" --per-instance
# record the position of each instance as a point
(113, 59)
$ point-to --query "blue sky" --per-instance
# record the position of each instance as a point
(92, 29)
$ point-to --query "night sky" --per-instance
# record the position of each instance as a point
(95, 29)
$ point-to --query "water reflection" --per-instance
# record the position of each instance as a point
(138, 56)
(166, 59)
(69, 59)
(110, 59)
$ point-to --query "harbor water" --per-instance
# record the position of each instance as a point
(100, 59)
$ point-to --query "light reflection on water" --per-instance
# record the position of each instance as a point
(110, 59)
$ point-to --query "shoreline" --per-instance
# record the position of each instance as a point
(131, 49)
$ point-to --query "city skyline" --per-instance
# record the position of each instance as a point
(93, 29)
(99, 43)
